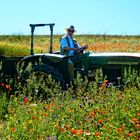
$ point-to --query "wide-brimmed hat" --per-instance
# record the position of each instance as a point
(71, 28)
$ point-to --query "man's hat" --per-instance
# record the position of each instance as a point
(71, 28)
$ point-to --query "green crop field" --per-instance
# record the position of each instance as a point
(39, 109)
(18, 45)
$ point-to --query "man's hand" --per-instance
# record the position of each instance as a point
(78, 50)
(84, 47)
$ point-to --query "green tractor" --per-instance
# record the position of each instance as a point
(112, 64)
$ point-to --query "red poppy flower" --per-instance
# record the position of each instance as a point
(62, 129)
(26, 100)
(73, 131)
(7, 86)
(80, 132)
(105, 112)
(97, 134)
(119, 129)
(130, 134)
(100, 121)
(12, 129)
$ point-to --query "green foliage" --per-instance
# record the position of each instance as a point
(39, 109)
(131, 77)
(3, 105)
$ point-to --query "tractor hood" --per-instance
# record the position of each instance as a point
(52, 57)
(115, 58)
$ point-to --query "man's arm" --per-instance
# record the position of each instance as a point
(70, 49)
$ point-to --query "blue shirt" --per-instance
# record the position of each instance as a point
(64, 44)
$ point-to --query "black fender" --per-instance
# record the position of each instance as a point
(47, 63)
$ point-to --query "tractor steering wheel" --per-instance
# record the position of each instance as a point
(82, 49)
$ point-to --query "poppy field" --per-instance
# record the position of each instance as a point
(39, 109)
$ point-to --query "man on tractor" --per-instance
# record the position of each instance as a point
(70, 47)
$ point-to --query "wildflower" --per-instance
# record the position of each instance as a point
(54, 116)
(26, 100)
(12, 129)
(93, 114)
(7, 86)
(119, 129)
(48, 106)
(134, 121)
(2, 84)
(130, 134)
(56, 126)
(106, 81)
(62, 129)
(10, 89)
(105, 119)
(87, 133)
(103, 84)
(97, 134)
(138, 126)
(109, 84)
(45, 115)
(80, 132)
(67, 126)
(105, 112)
(124, 137)
(138, 114)
(100, 121)
(34, 105)
(120, 92)
(73, 131)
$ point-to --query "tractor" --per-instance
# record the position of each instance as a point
(112, 64)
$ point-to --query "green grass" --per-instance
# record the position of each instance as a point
(19, 45)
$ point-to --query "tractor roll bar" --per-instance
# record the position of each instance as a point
(32, 35)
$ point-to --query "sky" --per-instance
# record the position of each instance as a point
(116, 17)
